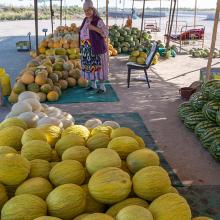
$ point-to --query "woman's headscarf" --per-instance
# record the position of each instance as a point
(87, 4)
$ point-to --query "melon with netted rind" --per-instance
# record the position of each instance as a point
(134, 212)
(93, 122)
(68, 141)
(25, 206)
(98, 141)
(30, 119)
(66, 201)
(110, 185)
(37, 186)
(14, 169)
(47, 218)
(33, 134)
(91, 204)
(122, 131)
(67, 171)
(3, 196)
(124, 146)
(98, 216)
(202, 218)
(36, 149)
(142, 158)
(170, 206)
(55, 156)
(7, 150)
(79, 153)
(40, 168)
(51, 132)
(102, 129)
(151, 182)
(21, 107)
(79, 130)
(13, 122)
(140, 141)
(113, 210)
(80, 217)
(11, 136)
(172, 189)
(101, 158)
(112, 124)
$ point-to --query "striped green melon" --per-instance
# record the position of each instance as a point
(197, 101)
(210, 135)
(210, 110)
(206, 87)
(218, 118)
(184, 109)
(215, 149)
(202, 126)
(193, 119)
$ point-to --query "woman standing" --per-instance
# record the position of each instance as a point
(93, 48)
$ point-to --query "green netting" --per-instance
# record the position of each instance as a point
(135, 122)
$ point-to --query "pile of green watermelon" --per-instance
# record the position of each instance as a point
(202, 115)
(203, 52)
(126, 40)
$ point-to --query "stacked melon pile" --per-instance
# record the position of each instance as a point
(48, 76)
(202, 115)
(64, 41)
(94, 171)
(203, 52)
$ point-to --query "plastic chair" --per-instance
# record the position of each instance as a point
(145, 67)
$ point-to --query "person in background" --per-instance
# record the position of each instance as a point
(129, 22)
(93, 48)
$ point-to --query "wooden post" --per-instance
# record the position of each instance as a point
(107, 12)
(195, 14)
(61, 12)
(214, 37)
(51, 14)
(123, 13)
(160, 14)
(142, 19)
(36, 24)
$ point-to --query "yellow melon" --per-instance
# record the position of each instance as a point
(80, 217)
(98, 141)
(55, 157)
(27, 78)
(51, 132)
(142, 158)
(3, 196)
(79, 130)
(101, 158)
(122, 131)
(67, 171)
(102, 129)
(37, 149)
(202, 218)
(151, 182)
(11, 136)
(172, 190)
(114, 210)
(170, 206)
(40, 168)
(37, 186)
(14, 169)
(124, 167)
(124, 146)
(33, 134)
(134, 212)
(140, 141)
(91, 204)
(13, 122)
(7, 149)
(24, 206)
(41, 79)
(79, 153)
(68, 141)
(98, 216)
(66, 201)
(47, 218)
(110, 185)
(52, 96)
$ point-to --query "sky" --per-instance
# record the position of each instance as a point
(112, 3)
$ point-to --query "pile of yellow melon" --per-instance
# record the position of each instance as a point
(112, 51)
(48, 76)
(95, 171)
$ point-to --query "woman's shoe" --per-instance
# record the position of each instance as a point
(100, 91)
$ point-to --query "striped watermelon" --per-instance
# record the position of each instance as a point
(215, 94)
(210, 110)
(210, 135)
(215, 149)
(184, 109)
(218, 118)
(202, 126)
(197, 101)
(207, 87)
(192, 119)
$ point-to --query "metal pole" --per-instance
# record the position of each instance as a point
(51, 14)
(36, 25)
(160, 14)
(123, 13)
(116, 1)
(142, 19)
(132, 9)
(61, 12)
(177, 15)
(214, 37)
(195, 15)
(107, 12)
